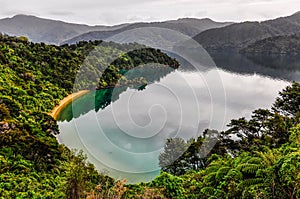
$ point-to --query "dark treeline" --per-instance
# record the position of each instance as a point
(278, 45)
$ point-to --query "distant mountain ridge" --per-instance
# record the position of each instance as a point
(58, 32)
(46, 30)
(210, 34)
(187, 26)
(240, 35)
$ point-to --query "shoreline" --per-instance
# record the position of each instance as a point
(65, 101)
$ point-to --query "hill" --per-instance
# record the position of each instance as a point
(237, 36)
(57, 32)
(187, 26)
(45, 30)
(284, 45)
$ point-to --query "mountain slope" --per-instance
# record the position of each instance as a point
(276, 45)
(242, 34)
(45, 30)
(187, 26)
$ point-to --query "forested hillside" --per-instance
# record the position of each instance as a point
(240, 35)
(57, 32)
(46, 30)
(34, 78)
(280, 45)
(264, 162)
(186, 26)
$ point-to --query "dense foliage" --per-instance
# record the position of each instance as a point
(288, 44)
(263, 161)
(34, 78)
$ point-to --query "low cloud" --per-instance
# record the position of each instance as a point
(61, 13)
(116, 12)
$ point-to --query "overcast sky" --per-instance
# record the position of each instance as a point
(110, 12)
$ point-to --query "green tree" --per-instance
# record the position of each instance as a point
(80, 175)
(172, 185)
(288, 102)
(169, 159)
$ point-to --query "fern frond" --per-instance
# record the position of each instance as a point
(209, 191)
(222, 172)
(250, 168)
(251, 182)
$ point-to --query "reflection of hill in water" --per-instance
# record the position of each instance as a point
(277, 67)
(274, 66)
(100, 99)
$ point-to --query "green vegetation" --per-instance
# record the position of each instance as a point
(33, 79)
(264, 162)
(285, 45)
(239, 35)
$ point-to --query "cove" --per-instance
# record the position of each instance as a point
(123, 130)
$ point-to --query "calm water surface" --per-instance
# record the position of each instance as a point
(124, 130)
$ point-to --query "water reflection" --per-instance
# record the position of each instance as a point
(99, 99)
(274, 66)
(127, 143)
(124, 129)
